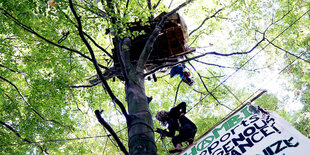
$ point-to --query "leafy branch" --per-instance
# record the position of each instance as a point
(112, 132)
(203, 22)
(29, 29)
(29, 105)
(200, 77)
(24, 139)
(95, 63)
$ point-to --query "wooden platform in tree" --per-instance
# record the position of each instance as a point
(169, 46)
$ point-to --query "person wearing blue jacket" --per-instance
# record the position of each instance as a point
(183, 73)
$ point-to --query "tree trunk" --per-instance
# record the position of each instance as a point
(140, 124)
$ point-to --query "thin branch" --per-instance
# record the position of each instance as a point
(253, 56)
(238, 53)
(95, 43)
(235, 68)
(173, 64)
(23, 74)
(59, 140)
(202, 93)
(29, 105)
(89, 37)
(203, 22)
(150, 42)
(170, 4)
(196, 38)
(14, 71)
(114, 135)
(85, 86)
(140, 4)
(274, 22)
(176, 93)
(24, 139)
(99, 72)
(235, 96)
(119, 47)
(149, 5)
(127, 4)
(28, 29)
(214, 77)
(105, 145)
(207, 53)
(288, 52)
(99, 12)
(208, 89)
(212, 16)
(8, 96)
(155, 6)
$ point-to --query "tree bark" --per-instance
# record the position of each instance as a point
(140, 124)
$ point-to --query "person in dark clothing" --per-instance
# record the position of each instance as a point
(177, 121)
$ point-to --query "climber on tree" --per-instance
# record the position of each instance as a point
(177, 121)
(184, 74)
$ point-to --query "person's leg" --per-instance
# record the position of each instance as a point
(188, 133)
(176, 140)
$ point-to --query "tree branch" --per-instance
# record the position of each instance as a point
(95, 43)
(212, 16)
(155, 6)
(212, 53)
(238, 53)
(99, 12)
(14, 71)
(99, 72)
(235, 68)
(176, 93)
(196, 37)
(23, 74)
(208, 89)
(125, 57)
(288, 52)
(119, 45)
(150, 42)
(112, 132)
(85, 86)
(29, 105)
(225, 87)
(149, 5)
(59, 140)
(173, 64)
(24, 139)
(28, 29)
(203, 22)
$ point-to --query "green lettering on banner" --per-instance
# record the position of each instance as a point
(205, 143)
(215, 131)
(234, 120)
(246, 112)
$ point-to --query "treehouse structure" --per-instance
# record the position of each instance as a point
(169, 47)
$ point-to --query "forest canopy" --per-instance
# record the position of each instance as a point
(60, 61)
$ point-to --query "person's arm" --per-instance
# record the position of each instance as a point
(178, 111)
(169, 133)
(181, 108)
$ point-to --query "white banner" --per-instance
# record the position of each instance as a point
(251, 132)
